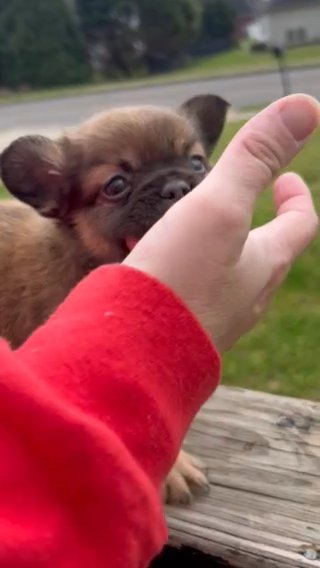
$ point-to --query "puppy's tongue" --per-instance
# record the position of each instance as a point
(131, 242)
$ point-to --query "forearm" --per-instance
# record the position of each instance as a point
(100, 399)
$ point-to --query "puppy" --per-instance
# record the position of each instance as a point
(87, 198)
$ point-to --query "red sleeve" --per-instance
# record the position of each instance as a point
(93, 409)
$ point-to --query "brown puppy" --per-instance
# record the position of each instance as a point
(88, 197)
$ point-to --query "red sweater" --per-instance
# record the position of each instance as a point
(93, 409)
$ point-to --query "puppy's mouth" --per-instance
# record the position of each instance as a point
(126, 245)
(130, 243)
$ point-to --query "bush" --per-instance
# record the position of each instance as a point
(40, 45)
(217, 31)
(259, 47)
(168, 28)
(112, 32)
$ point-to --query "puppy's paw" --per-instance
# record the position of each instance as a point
(186, 479)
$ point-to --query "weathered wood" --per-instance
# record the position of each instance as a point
(263, 454)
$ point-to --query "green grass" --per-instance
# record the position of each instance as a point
(281, 354)
(241, 60)
(2, 192)
(233, 62)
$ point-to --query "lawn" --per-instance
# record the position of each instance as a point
(235, 61)
(242, 61)
(280, 356)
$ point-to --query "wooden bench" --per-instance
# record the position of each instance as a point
(263, 453)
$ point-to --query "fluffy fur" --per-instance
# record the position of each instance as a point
(86, 197)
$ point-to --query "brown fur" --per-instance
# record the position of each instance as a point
(40, 263)
(43, 256)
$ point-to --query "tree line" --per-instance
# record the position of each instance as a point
(45, 43)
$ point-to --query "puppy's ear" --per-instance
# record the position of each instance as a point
(32, 169)
(208, 113)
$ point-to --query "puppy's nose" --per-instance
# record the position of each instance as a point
(175, 189)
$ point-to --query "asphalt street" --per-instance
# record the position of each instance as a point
(52, 116)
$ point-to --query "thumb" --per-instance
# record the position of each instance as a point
(266, 144)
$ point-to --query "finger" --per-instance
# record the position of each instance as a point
(296, 224)
(265, 145)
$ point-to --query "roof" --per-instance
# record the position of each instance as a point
(285, 5)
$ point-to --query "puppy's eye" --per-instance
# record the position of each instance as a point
(116, 188)
(197, 164)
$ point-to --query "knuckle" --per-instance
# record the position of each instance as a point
(230, 218)
(234, 217)
(265, 151)
(223, 215)
(281, 266)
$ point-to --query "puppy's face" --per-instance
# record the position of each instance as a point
(115, 176)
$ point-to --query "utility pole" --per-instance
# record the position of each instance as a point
(279, 54)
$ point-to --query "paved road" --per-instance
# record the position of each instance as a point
(54, 115)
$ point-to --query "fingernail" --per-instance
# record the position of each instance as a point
(300, 114)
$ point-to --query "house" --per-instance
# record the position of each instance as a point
(286, 23)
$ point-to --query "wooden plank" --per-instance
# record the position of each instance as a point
(263, 510)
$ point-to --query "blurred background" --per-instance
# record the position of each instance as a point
(63, 60)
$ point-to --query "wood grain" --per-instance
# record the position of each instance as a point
(263, 454)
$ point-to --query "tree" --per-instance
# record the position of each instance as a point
(111, 28)
(94, 17)
(40, 45)
(218, 20)
(217, 29)
(127, 32)
(168, 28)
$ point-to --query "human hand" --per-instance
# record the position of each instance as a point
(203, 248)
